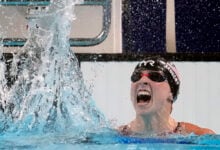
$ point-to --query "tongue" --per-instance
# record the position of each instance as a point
(143, 98)
(141, 101)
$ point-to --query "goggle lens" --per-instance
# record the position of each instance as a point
(154, 76)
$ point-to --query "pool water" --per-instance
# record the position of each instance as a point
(49, 94)
(106, 140)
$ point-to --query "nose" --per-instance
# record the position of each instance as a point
(143, 83)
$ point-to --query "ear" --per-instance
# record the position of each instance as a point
(170, 98)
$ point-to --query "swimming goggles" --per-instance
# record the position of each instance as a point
(154, 76)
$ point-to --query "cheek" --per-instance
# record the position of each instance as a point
(133, 91)
(162, 90)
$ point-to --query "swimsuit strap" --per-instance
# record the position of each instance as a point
(177, 127)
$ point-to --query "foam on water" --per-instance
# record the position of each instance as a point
(49, 95)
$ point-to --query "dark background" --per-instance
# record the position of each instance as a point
(197, 26)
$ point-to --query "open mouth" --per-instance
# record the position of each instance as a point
(143, 97)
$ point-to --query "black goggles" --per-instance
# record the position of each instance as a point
(154, 76)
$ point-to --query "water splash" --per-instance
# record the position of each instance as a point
(3, 84)
(49, 95)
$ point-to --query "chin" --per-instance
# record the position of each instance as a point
(142, 111)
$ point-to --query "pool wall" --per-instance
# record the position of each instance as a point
(134, 27)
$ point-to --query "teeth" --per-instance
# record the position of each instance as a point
(143, 93)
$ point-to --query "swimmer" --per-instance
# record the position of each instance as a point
(155, 86)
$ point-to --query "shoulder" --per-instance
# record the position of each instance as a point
(187, 128)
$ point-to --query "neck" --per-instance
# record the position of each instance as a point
(151, 125)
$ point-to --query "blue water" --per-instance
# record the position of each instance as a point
(108, 139)
(49, 106)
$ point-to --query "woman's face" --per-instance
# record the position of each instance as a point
(149, 96)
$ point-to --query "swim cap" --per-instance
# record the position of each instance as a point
(169, 70)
